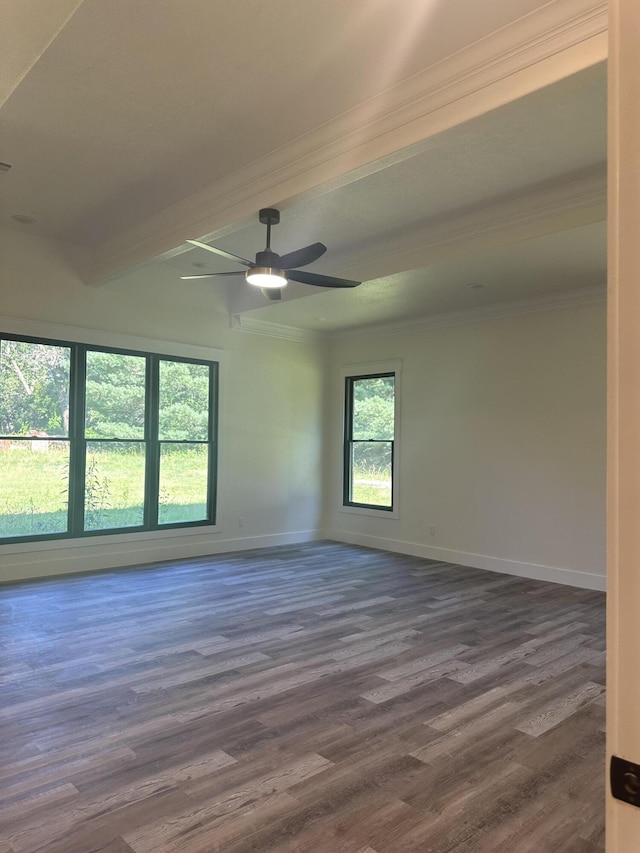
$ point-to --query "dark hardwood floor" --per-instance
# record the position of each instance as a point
(323, 698)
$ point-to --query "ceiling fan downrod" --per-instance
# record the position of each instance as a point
(269, 216)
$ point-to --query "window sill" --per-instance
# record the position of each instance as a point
(367, 510)
(88, 541)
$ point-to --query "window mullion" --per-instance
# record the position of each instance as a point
(212, 437)
(77, 442)
(152, 444)
(347, 462)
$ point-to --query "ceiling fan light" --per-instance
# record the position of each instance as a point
(266, 277)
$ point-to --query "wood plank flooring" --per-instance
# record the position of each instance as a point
(323, 698)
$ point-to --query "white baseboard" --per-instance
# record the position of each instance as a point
(25, 562)
(48, 559)
(534, 571)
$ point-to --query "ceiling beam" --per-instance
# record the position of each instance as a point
(557, 40)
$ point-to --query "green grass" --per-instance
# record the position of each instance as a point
(33, 489)
(369, 489)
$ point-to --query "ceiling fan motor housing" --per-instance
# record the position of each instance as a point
(267, 258)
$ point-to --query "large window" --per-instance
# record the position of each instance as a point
(101, 440)
(369, 441)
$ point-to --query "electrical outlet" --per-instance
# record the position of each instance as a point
(432, 530)
(241, 521)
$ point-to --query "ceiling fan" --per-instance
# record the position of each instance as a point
(270, 271)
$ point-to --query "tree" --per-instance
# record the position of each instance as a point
(115, 404)
(184, 396)
(35, 388)
(116, 398)
(34, 383)
(373, 418)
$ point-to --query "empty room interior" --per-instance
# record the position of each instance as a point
(303, 426)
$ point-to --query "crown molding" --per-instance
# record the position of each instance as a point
(552, 42)
(548, 302)
(241, 323)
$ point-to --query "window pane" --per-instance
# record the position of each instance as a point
(115, 395)
(183, 483)
(184, 401)
(34, 383)
(34, 487)
(114, 485)
(371, 473)
(373, 408)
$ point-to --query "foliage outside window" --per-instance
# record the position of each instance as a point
(369, 441)
(100, 440)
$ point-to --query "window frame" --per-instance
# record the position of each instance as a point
(349, 375)
(77, 440)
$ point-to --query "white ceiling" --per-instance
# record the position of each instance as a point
(117, 115)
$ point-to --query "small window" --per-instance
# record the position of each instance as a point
(369, 447)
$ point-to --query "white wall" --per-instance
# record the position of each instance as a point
(271, 404)
(501, 445)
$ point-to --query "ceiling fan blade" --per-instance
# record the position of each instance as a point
(319, 280)
(211, 274)
(221, 252)
(302, 257)
(272, 293)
